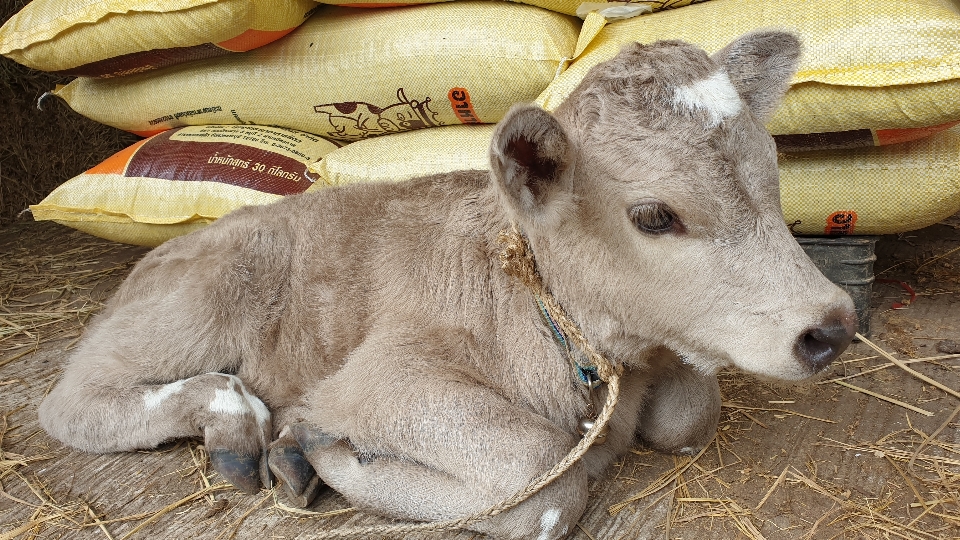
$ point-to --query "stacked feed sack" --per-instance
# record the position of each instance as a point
(182, 179)
(348, 74)
(108, 38)
(872, 73)
(343, 75)
(868, 132)
(610, 9)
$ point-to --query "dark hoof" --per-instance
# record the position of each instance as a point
(265, 475)
(311, 439)
(241, 471)
(308, 495)
(290, 465)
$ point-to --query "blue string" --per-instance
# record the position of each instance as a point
(587, 375)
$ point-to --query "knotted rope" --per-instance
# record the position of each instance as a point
(517, 260)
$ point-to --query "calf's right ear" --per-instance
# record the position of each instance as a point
(531, 159)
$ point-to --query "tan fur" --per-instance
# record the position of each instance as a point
(418, 379)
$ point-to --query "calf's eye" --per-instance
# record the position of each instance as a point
(654, 217)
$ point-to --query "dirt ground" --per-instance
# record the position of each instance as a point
(819, 461)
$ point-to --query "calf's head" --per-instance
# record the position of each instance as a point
(651, 201)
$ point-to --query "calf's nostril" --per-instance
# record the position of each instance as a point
(820, 345)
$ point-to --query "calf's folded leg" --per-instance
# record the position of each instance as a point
(96, 411)
(682, 409)
(147, 369)
(425, 439)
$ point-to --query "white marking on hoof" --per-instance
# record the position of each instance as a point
(548, 521)
(154, 398)
(716, 95)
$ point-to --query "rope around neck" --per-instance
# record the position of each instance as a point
(517, 260)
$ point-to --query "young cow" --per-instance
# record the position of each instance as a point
(372, 329)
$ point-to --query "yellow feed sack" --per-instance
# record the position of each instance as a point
(561, 6)
(880, 190)
(883, 190)
(102, 38)
(407, 155)
(180, 180)
(348, 74)
(854, 138)
(866, 64)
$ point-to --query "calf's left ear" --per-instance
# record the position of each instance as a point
(760, 65)
(531, 161)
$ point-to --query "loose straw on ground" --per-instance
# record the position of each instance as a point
(742, 408)
(929, 438)
(171, 507)
(885, 366)
(884, 398)
(658, 484)
(99, 523)
(906, 368)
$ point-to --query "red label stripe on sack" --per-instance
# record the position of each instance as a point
(462, 106)
(840, 223)
(226, 163)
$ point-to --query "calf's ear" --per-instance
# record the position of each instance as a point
(760, 65)
(531, 161)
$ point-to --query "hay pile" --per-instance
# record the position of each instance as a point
(39, 150)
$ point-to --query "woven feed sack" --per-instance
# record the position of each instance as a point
(881, 190)
(569, 7)
(183, 179)
(105, 38)
(347, 74)
(402, 156)
(866, 64)
(855, 138)
(877, 190)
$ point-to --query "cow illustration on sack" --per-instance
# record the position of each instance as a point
(354, 120)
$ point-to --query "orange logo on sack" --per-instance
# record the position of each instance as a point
(462, 106)
(841, 222)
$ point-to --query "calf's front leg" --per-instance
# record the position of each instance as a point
(422, 438)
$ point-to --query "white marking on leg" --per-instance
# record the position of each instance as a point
(228, 401)
(716, 95)
(548, 521)
(260, 410)
(154, 398)
(238, 401)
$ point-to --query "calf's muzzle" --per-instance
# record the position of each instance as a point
(822, 344)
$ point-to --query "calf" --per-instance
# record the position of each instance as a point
(367, 338)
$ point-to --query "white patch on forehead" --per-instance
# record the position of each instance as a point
(716, 95)
(154, 398)
(548, 521)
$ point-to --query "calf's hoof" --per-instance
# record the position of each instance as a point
(287, 462)
(310, 438)
(243, 472)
